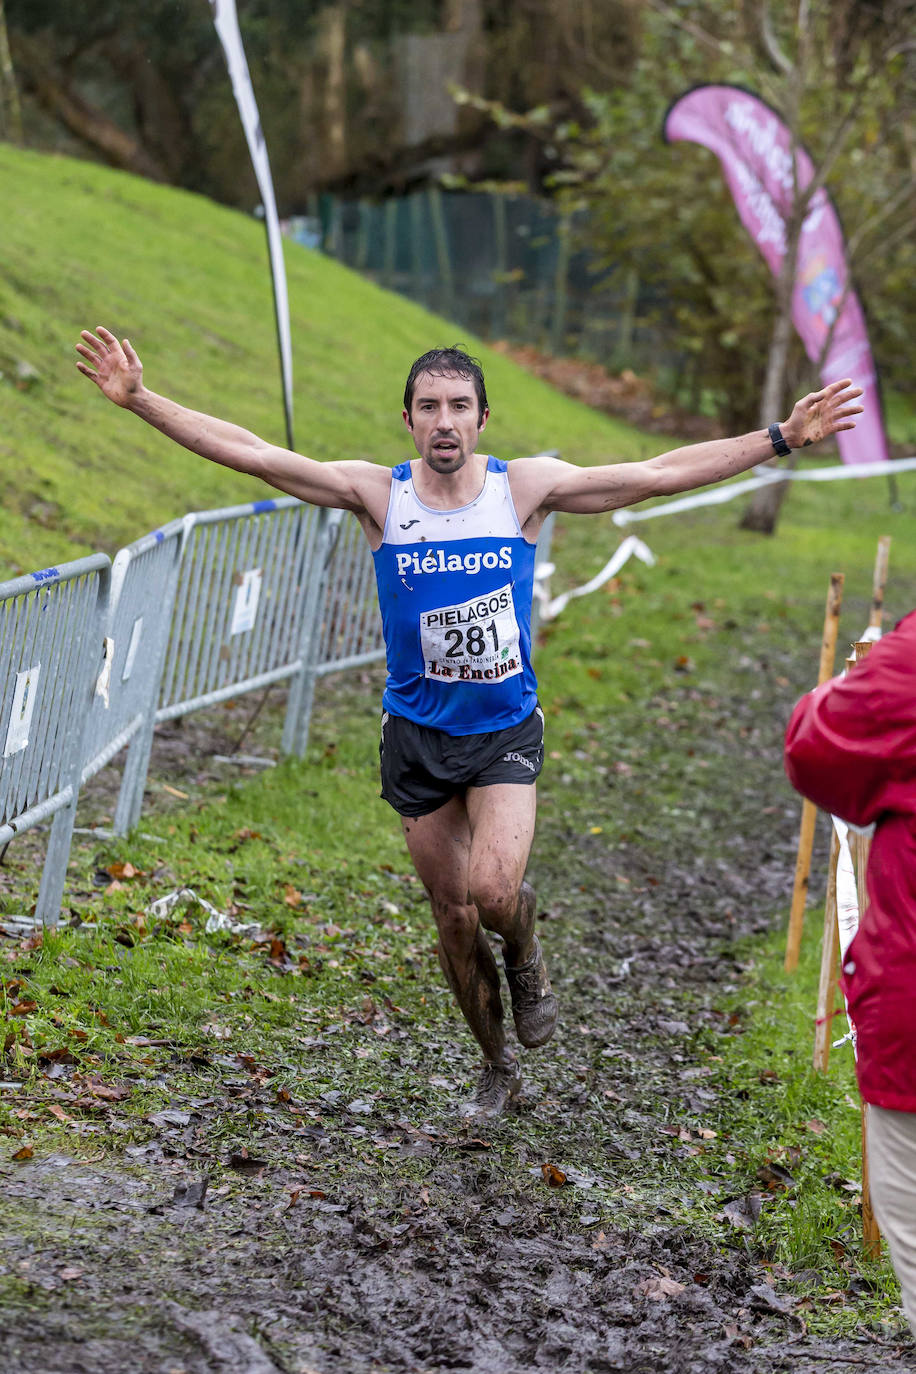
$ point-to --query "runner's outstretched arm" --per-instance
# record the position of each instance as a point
(116, 370)
(555, 485)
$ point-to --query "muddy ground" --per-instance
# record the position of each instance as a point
(417, 1255)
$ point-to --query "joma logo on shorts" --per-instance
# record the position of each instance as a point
(437, 560)
(519, 758)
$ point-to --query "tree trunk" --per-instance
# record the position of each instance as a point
(763, 509)
(86, 121)
(10, 113)
(162, 123)
(333, 43)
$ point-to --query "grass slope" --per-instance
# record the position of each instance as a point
(187, 281)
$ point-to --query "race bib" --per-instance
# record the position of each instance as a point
(476, 641)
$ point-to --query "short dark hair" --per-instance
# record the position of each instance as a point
(448, 362)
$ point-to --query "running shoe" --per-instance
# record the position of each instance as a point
(496, 1086)
(534, 1005)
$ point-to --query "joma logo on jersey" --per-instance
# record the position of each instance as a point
(437, 560)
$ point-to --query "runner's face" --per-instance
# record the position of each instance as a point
(444, 422)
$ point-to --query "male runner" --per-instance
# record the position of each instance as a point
(453, 535)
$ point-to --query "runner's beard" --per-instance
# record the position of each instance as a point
(449, 461)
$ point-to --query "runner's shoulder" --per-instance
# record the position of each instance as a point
(366, 478)
(535, 475)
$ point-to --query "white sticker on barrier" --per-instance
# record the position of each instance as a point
(135, 637)
(103, 681)
(245, 604)
(24, 696)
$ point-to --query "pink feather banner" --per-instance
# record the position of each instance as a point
(754, 147)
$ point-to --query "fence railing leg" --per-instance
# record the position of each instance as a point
(136, 765)
(302, 686)
(57, 857)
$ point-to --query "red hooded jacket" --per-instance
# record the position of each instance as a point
(851, 748)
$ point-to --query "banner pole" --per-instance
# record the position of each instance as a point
(879, 581)
(225, 19)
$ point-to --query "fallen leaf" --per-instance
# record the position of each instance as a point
(71, 1272)
(25, 1153)
(775, 1177)
(742, 1212)
(191, 1194)
(658, 1289)
(106, 1092)
(553, 1177)
(124, 872)
(768, 1297)
(246, 1163)
(734, 1334)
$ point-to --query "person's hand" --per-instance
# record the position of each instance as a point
(113, 366)
(822, 413)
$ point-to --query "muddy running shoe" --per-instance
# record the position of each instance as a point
(496, 1086)
(534, 1005)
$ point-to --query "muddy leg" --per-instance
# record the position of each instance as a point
(468, 964)
(439, 846)
(502, 828)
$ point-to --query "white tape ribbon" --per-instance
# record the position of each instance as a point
(764, 476)
(631, 547)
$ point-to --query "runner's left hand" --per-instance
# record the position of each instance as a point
(822, 413)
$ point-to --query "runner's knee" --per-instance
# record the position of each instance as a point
(456, 924)
(495, 899)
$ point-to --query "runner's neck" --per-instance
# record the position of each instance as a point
(451, 490)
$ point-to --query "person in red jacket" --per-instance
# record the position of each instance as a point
(851, 748)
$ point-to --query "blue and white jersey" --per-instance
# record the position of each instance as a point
(455, 590)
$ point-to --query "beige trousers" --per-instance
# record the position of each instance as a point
(892, 1179)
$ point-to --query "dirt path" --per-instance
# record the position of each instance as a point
(373, 1238)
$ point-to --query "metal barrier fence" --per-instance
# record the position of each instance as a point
(50, 653)
(135, 631)
(240, 616)
(216, 604)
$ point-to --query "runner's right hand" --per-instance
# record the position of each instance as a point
(113, 366)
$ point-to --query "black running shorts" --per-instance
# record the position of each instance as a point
(423, 768)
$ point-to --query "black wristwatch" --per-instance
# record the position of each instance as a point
(778, 442)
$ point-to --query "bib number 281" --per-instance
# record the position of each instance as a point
(476, 641)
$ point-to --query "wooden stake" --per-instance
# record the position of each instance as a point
(809, 810)
(871, 1236)
(880, 580)
(826, 988)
